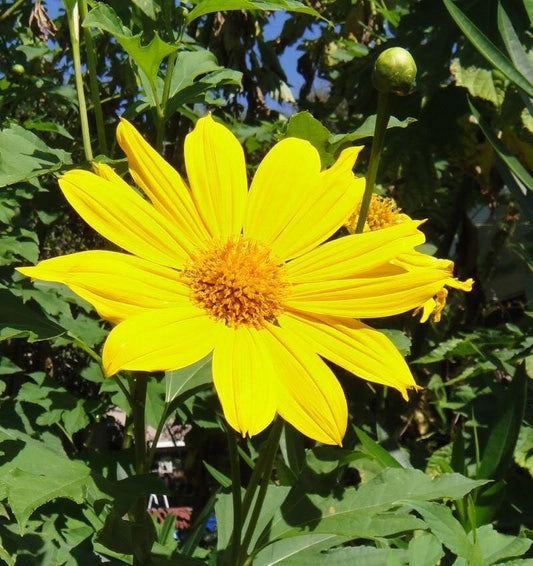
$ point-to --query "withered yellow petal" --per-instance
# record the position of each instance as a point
(370, 297)
(217, 175)
(308, 395)
(355, 255)
(288, 174)
(354, 346)
(244, 377)
(117, 285)
(162, 183)
(160, 340)
(122, 216)
(324, 208)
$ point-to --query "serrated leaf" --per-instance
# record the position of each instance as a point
(147, 57)
(361, 512)
(478, 81)
(209, 6)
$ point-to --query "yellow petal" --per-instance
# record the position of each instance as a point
(244, 378)
(288, 174)
(325, 207)
(217, 175)
(354, 346)
(308, 394)
(124, 217)
(354, 255)
(160, 340)
(367, 297)
(117, 285)
(162, 183)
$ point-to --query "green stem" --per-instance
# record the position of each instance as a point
(141, 521)
(74, 29)
(93, 82)
(260, 476)
(382, 120)
(11, 9)
(236, 493)
(160, 426)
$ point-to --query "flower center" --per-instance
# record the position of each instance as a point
(238, 282)
(382, 213)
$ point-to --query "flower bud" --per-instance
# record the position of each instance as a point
(394, 71)
(18, 69)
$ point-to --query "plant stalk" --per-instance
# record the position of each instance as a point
(73, 17)
(260, 477)
(235, 542)
(382, 120)
(141, 521)
(93, 82)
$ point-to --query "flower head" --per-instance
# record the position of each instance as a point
(248, 275)
(383, 212)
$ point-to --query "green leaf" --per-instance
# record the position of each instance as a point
(19, 320)
(184, 382)
(425, 550)
(448, 530)
(219, 477)
(497, 548)
(503, 436)
(365, 130)
(187, 87)
(479, 82)
(353, 555)
(513, 45)
(303, 549)
(508, 158)
(491, 53)
(375, 451)
(209, 6)
(24, 156)
(362, 512)
(303, 126)
(148, 7)
(147, 57)
(33, 474)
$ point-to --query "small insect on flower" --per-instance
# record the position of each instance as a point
(247, 274)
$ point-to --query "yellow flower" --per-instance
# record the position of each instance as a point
(383, 212)
(245, 274)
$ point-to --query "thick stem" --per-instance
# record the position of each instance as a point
(141, 521)
(236, 493)
(382, 120)
(73, 17)
(93, 82)
(260, 476)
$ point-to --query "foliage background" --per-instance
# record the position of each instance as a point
(473, 415)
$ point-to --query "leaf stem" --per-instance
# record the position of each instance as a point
(382, 120)
(73, 17)
(11, 9)
(93, 82)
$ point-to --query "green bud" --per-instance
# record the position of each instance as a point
(18, 69)
(395, 71)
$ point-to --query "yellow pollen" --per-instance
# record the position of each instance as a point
(382, 213)
(238, 282)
